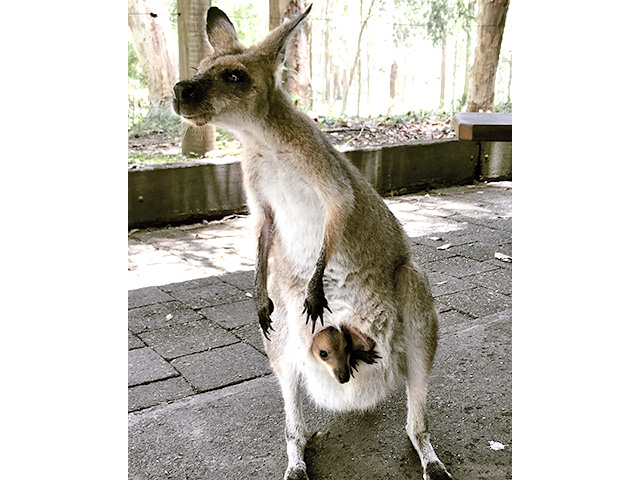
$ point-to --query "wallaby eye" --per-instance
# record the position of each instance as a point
(234, 76)
(323, 354)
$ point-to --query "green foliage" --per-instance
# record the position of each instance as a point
(164, 121)
(503, 107)
(144, 158)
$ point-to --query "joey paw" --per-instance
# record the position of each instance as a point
(264, 317)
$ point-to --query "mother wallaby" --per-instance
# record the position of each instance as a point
(325, 241)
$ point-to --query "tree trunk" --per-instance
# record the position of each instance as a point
(156, 49)
(357, 57)
(296, 76)
(194, 46)
(467, 63)
(492, 16)
(443, 70)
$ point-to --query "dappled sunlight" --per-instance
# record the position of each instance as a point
(162, 256)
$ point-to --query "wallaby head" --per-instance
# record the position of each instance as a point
(332, 347)
(234, 84)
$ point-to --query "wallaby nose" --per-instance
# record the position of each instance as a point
(184, 90)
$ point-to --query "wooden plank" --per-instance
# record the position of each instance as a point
(483, 127)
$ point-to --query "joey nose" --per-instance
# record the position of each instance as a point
(343, 377)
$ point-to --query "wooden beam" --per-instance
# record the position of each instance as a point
(483, 127)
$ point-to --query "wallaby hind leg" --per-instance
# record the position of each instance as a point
(295, 431)
(420, 319)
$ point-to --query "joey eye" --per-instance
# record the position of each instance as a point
(234, 76)
(323, 354)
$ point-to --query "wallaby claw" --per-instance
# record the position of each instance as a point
(264, 317)
(314, 309)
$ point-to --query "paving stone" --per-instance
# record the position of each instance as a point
(251, 334)
(496, 280)
(179, 340)
(147, 296)
(241, 280)
(442, 284)
(204, 292)
(155, 393)
(477, 251)
(160, 315)
(453, 321)
(222, 366)
(460, 266)
(478, 302)
(135, 342)
(145, 365)
(232, 315)
(425, 254)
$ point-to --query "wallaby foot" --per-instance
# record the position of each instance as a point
(264, 317)
(436, 471)
(297, 472)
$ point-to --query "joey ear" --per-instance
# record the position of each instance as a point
(221, 32)
(274, 43)
(360, 340)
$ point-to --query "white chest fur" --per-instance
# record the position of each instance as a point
(297, 209)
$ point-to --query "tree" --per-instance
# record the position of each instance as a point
(152, 39)
(194, 46)
(296, 76)
(349, 79)
(492, 16)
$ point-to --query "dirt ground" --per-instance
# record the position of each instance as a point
(343, 134)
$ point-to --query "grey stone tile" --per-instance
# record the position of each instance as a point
(251, 334)
(160, 315)
(496, 280)
(222, 366)
(232, 315)
(134, 342)
(205, 292)
(460, 266)
(143, 396)
(478, 302)
(442, 284)
(147, 296)
(145, 366)
(184, 339)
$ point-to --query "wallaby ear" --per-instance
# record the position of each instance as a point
(221, 32)
(274, 43)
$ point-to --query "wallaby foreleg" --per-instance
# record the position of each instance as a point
(316, 302)
(264, 305)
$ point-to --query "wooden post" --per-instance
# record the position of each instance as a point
(193, 47)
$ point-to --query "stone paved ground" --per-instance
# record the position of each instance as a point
(204, 404)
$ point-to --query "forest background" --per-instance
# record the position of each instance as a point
(398, 59)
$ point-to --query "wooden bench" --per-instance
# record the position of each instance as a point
(483, 127)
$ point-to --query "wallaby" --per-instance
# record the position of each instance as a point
(325, 241)
(340, 352)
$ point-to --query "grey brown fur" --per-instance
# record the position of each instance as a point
(327, 245)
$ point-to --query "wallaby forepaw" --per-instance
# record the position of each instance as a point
(264, 317)
(314, 308)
